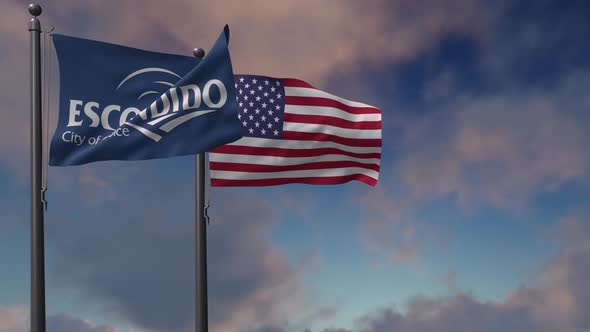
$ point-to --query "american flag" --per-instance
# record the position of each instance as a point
(296, 133)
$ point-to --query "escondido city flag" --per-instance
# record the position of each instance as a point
(122, 103)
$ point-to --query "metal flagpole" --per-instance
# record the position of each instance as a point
(201, 316)
(37, 234)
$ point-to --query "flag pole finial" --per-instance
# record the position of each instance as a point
(35, 9)
(199, 53)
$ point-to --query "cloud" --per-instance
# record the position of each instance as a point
(137, 264)
(321, 37)
(495, 150)
(15, 319)
(499, 150)
(391, 229)
(557, 300)
(68, 323)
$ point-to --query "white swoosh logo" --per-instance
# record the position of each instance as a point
(146, 70)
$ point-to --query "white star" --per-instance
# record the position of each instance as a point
(272, 89)
(278, 107)
(269, 112)
(276, 133)
(272, 101)
(251, 131)
(252, 92)
(257, 98)
(264, 105)
(251, 117)
(241, 104)
(257, 124)
(251, 104)
(276, 119)
(263, 118)
(241, 91)
(239, 116)
(278, 83)
(263, 132)
(247, 85)
(269, 125)
(279, 96)
(241, 79)
(254, 81)
(244, 123)
(236, 85)
(245, 110)
(260, 88)
(266, 94)
(245, 97)
(257, 111)
(266, 82)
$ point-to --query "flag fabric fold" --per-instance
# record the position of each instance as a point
(123, 103)
(296, 133)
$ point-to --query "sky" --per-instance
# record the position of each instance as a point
(479, 221)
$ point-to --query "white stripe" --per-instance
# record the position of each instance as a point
(330, 130)
(167, 127)
(146, 132)
(307, 92)
(295, 144)
(282, 161)
(330, 111)
(231, 175)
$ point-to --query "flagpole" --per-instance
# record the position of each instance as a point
(201, 314)
(37, 233)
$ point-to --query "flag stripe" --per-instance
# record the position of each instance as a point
(229, 166)
(331, 130)
(234, 175)
(315, 93)
(277, 160)
(218, 182)
(330, 111)
(295, 83)
(284, 152)
(332, 121)
(294, 135)
(298, 145)
(319, 101)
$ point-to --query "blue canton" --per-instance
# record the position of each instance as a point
(261, 105)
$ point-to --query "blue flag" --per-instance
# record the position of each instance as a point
(122, 103)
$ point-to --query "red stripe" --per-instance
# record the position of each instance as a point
(295, 83)
(280, 152)
(254, 168)
(326, 102)
(331, 121)
(295, 135)
(278, 181)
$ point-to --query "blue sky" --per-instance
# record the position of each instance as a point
(478, 222)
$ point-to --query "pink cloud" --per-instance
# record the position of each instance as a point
(15, 319)
(558, 299)
(499, 150)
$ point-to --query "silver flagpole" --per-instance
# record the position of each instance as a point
(201, 314)
(37, 233)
